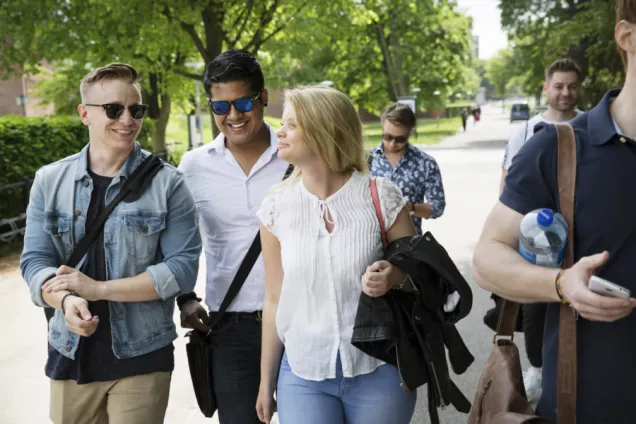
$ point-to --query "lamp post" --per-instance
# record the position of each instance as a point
(195, 124)
(436, 93)
(21, 101)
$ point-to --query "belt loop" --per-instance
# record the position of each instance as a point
(259, 316)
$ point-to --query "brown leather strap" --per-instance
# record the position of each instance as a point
(566, 382)
(507, 318)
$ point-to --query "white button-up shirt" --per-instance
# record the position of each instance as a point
(323, 271)
(227, 200)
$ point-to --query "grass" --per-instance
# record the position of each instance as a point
(429, 131)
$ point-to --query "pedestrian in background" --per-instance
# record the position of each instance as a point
(563, 79)
(464, 116)
(413, 171)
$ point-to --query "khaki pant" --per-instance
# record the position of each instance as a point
(141, 399)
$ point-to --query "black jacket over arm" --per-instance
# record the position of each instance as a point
(411, 330)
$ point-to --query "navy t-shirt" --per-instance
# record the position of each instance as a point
(605, 219)
(95, 360)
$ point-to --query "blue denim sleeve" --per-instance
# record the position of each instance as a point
(39, 260)
(435, 189)
(532, 180)
(180, 243)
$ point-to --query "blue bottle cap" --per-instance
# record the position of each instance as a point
(545, 217)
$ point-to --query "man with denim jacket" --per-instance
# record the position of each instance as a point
(110, 340)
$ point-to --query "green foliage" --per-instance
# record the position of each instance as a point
(542, 32)
(375, 51)
(372, 50)
(27, 144)
(499, 71)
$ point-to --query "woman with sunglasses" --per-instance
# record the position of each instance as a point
(321, 248)
(415, 172)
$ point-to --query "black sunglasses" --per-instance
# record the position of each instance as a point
(244, 104)
(398, 138)
(115, 110)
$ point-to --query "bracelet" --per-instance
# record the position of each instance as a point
(183, 298)
(557, 286)
(71, 293)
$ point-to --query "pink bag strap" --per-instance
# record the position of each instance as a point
(378, 210)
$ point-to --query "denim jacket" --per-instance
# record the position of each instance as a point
(157, 233)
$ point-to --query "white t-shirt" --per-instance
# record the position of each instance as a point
(323, 271)
(519, 137)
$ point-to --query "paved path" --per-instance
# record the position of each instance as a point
(470, 164)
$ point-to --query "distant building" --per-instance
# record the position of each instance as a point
(16, 97)
(476, 45)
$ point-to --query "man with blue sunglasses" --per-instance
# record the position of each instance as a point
(229, 179)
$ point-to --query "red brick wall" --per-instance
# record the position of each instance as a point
(15, 86)
(9, 90)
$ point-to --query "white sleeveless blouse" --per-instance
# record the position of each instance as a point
(323, 271)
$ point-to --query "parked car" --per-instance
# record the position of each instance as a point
(519, 112)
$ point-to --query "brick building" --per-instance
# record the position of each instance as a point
(16, 90)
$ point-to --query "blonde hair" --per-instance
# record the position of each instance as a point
(112, 71)
(330, 126)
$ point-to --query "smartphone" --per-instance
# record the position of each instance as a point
(606, 288)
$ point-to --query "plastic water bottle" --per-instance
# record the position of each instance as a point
(543, 236)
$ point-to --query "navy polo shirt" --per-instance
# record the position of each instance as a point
(605, 219)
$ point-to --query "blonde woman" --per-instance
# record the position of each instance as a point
(322, 247)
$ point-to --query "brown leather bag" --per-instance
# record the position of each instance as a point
(501, 396)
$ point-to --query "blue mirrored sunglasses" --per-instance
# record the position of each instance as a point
(244, 104)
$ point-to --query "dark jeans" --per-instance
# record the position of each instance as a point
(236, 360)
(533, 323)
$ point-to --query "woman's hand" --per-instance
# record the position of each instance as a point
(380, 277)
(265, 403)
(67, 278)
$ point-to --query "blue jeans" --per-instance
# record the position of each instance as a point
(374, 398)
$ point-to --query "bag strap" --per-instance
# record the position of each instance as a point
(567, 375)
(132, 188)
(567, 363)
(244, 269)
(378, 209)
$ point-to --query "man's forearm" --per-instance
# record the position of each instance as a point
(134, 289)
(502, 270)
(54, 299)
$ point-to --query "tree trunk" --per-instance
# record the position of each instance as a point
(161, 123)
(212, 23)
(388, 61)
(398, 70)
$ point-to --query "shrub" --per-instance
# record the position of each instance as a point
(27, 144)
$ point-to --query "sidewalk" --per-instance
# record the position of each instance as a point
(470, 163)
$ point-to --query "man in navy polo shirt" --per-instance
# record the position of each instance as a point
(605, 244)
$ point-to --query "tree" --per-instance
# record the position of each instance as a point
(70, 35)
(376, 51)
(499, 72)
(581, 29)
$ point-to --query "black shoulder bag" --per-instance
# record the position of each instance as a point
(198, 348)
(132, 189)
